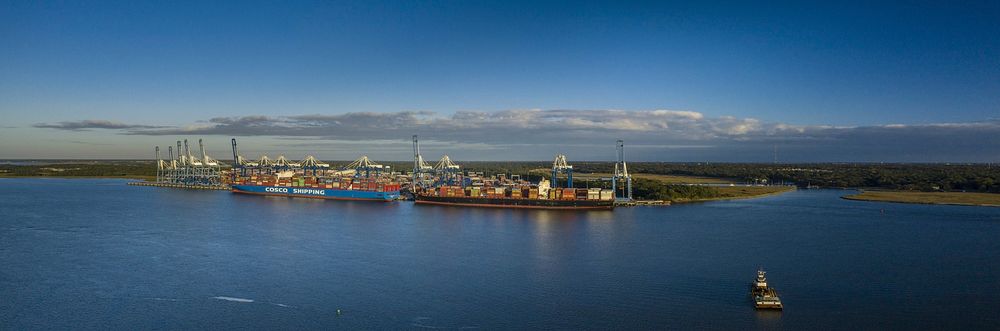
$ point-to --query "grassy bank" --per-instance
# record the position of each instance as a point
(663, 189)
(937, 198)
(742, 192)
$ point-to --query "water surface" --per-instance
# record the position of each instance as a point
(97, 254)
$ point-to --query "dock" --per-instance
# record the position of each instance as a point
(185, 186)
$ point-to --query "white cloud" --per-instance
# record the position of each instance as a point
(513, 134)
(92, 124)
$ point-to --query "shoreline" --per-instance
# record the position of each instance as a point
(744, 197)
(928, 198)
(146, 179)
(136, 177)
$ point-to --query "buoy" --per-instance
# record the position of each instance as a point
(338, 312)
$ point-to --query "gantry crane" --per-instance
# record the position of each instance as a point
(311, 163)
(621, 176)
(187, 169)
(446, 171)
(559, 165)
(366, 166)
(419, 166)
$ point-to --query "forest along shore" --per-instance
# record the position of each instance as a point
(933, 198)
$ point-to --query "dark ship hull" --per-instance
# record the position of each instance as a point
(516, 203)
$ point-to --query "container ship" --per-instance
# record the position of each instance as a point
(345, 188)
(534, 197)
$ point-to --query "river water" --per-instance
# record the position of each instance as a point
(98, 254)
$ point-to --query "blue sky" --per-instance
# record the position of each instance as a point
(504, 80)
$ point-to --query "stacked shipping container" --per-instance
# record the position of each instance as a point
(343, 183)
(523, 192)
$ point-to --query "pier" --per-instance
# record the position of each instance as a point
(188, 186)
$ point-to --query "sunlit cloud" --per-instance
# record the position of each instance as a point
(535, 133)
(476, 126)
(92, 124)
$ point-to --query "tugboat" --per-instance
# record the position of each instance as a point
(764, 297)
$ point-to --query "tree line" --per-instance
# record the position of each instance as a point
(89, 169)
(911, 177)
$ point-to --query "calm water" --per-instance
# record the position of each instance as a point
(99, 254)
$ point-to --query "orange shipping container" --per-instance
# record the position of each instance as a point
(569, 194)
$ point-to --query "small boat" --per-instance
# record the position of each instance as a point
(764, 297)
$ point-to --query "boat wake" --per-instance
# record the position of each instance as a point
(243, 300)
(233, 299)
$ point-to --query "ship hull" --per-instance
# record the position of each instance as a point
(764, 297)
(316, 193)
(516, 203)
